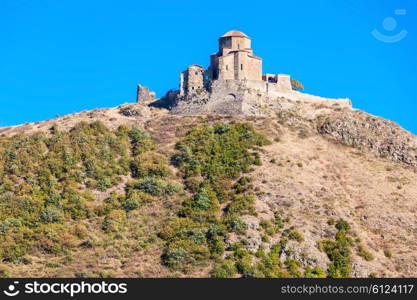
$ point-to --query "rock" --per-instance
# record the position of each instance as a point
(253, 239)
(382, 137)
(250, 221)
(134, 110)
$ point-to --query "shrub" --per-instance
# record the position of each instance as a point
(9, 224)
(296, 85)
(149, 165)
(131, 203)
(362, 252)
(181, 253)
(141, 142)
(51, 215)
(4, 272)
(293, 267)
(331, 221)
(234, 224)
(47, 179)
(388, 253)
(338, 251)
(204, 200)
(241, 204)
(225, 269)
(316, 272)
(210, 160)
(153, 186)
(342, 225)
(294, 235)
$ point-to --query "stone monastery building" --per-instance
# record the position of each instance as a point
(232, 84)
(234, 61)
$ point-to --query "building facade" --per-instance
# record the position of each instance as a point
(233, 61)
(233, 84)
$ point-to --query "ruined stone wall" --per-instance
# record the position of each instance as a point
(247, 97)
(276, 91)
(143, 94)
(225, 97)
(192, 80)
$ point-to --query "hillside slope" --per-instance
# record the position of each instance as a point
(333, 195)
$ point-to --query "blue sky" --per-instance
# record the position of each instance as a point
(59, 57)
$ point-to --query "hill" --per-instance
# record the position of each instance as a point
(300, 190)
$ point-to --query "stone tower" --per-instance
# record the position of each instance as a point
(192, 80)
(143, 94)
(235, 59)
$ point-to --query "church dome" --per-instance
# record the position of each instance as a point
(234, 33)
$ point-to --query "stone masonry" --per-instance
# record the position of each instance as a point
(232, 84)
(143, 94)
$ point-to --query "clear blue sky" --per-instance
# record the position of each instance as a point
(59, 57)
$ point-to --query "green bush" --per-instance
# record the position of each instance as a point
(339, 251)
(294, 235)
(225, 269)
(47, 181)
(211, 161)
(362, 252)
(131, 203)
(388, 253)
(235, 224)
(153, 186)
(149, 165)
(187, 244)
(342, 225)
(296, 85)
(293, 267)
(315, 272)
(51, 215)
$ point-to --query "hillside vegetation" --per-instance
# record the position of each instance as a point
(144, 194)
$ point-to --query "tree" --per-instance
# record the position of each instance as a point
(296, 85)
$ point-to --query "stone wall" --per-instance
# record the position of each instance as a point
(284, 83)
(238, 65)
(225, 97)
(143, 94)
(226, 67)
(247, 97)
(192, 80)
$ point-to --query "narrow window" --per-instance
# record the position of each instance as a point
(196, 73)
(241, 66)
(227, 68)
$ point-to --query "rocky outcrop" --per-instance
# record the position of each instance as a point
(381, 137)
